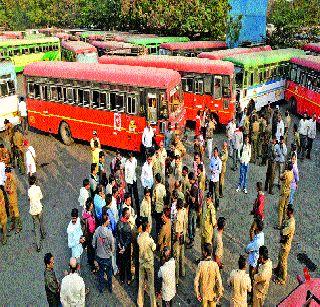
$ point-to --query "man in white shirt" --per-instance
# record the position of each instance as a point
(84, 193)
(147, 138)
(312, 132)
(237, 141)
(30, 157)
(231, 128)
(35, 196)
(73, 291)
(244, 157)
(22, 108)
(280, 128)
(130, 173)
(147, 174)
(215, 168)
(303, 132)
(168, 290)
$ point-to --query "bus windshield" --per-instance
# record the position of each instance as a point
(239, 77)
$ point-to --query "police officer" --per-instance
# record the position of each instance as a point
(19, 149)
(11, 190)
(261, 138)
(3, 218)
(255, 138)
(287, 233)
(223, 158)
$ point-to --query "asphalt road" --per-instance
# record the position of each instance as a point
(21, 267)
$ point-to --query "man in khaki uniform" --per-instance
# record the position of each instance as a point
(164, 237)
(255, 138)
(208, 220)
(224, 157)
(146, 265)
(218, 242)
(286, 179)
(19, 150)
(262, 137)
(185, 180)
(287, 233)
(262, 278)
(3, 218)
(159, 193)
(11, 190)
(4, 155)
(207, 283)
(240, 283)
(201, 178)
(179, 240)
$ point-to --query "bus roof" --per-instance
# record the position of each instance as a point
(220, 54)
(78, 47)
(256, 59)
(194, 45)
(181, 64)
(112, 45)
(309, 61)
(62, 35)
(18, 42)
(155, 40)
(114, 74)
(315, 47)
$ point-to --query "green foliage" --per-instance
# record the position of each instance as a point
(234, 25)
(293, 17)
(199, 18)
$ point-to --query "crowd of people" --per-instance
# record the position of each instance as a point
(142, 240)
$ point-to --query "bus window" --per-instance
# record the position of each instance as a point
(16, 51)
(37, 91)
(207, 84)
(113, 102)
(132, 104)
(152, 107)
(95, 99)
(86, 98)
(120, 102)
(226, 92)
(104, 101)
(187, 84)
(60, 93)
(31, 49)
(250, 78)
(44, 92)
(260, 78)
(239, 79)
(30, 90)
(293, 73)
(70, 95)
(198, 86)
(11, 87)
(152, 50)
(53, 93)
(4, 90)
(297, 75)
(217, 87)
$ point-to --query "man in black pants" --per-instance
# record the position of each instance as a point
(124, 239)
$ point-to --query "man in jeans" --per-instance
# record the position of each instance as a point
(280, 159)
(215, 168)
(237, 141)
(35, 196)
(244, 156)
(103, 243)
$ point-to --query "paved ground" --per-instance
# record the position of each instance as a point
(21, 267)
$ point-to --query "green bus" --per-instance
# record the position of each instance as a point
(152, 43)
(261, 76)
(24, 51)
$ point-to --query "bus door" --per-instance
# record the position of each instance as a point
(152, 108)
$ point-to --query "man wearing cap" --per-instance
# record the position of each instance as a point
(94, 139)
(3, 218)
(208, 220)
(11, 190)
(30, 158)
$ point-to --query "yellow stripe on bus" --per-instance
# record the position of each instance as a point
(313, 102)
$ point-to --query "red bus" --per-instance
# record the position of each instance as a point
(220, 54)
(204, 82)
(312, 48)
(192, 48)
(303, 85)
(117, 48)
(73, 99)
(62, 35)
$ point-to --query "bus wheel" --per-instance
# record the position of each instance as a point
(65, 134)
(293, 105)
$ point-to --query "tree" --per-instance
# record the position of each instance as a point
(234, 25)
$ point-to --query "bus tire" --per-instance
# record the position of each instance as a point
(65, 134)
(293, 105)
